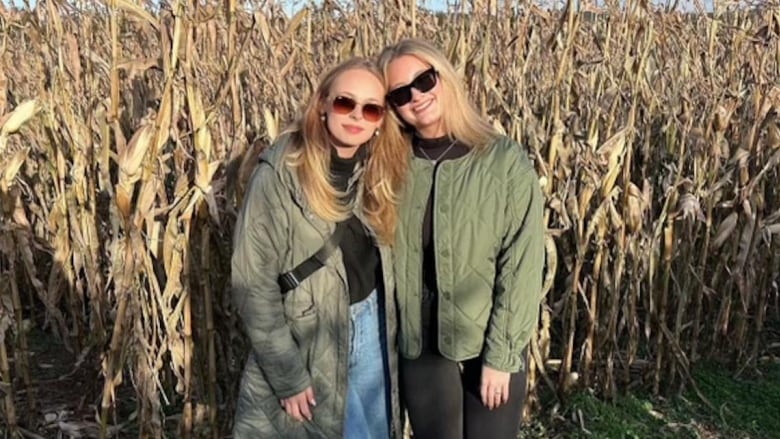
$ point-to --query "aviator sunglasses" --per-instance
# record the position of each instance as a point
(344, 105)
(423, 83)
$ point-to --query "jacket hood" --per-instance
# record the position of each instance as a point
(275, 157)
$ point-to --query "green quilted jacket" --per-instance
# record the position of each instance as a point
(300, 338)
(489, 244)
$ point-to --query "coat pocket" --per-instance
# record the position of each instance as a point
(299, 302)
(305, 329)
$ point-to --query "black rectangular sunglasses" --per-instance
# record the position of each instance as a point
(422, 82)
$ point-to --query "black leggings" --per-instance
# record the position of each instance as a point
(445, 403)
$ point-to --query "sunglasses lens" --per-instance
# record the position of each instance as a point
(373, 112)
(343, 105)
(424, 82)
(400, 96)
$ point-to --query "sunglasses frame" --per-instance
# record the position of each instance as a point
(354, 104)
(407, 89)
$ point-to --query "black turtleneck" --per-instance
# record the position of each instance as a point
(437, 149)
(361, 256)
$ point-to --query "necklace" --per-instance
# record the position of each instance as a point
(436, 160)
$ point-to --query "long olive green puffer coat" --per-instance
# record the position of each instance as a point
(301, 338)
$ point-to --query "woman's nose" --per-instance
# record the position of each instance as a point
(356, 113)
(416, 94)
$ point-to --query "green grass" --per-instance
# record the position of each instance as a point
(745, 407)
(630, 417)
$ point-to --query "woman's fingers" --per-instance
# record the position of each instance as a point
(488, 393)
(494, 396)
(294, 411)
(303, 407)
(310, 396)
(297, 407)
(494, 388)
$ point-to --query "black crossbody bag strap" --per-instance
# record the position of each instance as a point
(290, 280)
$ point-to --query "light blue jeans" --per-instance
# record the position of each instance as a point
(367, 414)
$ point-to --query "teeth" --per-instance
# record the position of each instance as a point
(423, 106)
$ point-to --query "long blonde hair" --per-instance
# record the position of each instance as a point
(460, 118)
(310, 151)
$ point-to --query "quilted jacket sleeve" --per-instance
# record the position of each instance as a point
(519, 272)
(260, 241)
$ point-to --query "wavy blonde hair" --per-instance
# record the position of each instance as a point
(461, 119)
(385, 168)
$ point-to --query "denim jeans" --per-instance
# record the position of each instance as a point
(367, 414)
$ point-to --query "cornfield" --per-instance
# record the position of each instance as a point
(128, 131)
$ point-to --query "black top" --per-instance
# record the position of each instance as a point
(360, 253)
(439, 149)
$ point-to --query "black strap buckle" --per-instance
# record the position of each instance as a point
(288, 281)
(293, 278)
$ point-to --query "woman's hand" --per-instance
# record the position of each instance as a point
(494, 387)
(297, 406)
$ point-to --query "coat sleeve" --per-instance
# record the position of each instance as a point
(260, 242)
(518, 286)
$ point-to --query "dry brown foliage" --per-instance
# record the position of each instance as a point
(128, 133)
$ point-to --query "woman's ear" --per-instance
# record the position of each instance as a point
(322, 107)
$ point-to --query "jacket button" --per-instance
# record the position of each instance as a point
(446, 296)
(447, 339)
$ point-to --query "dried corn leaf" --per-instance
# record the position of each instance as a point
(295, 22)
(271, 123)
(725, 229)
(612, 150)
(689, 207)
(11, 168)
(11, 123)
(722, 117)
(773, 136)
(265, 30)
(136, 11)
(132, 157)
(634, 210)
(746, 243)
(3, 89)
(177, 350)
(202, 138)
(146, 197)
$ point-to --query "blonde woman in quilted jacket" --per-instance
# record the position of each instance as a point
(323, 357)
(469, 255)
